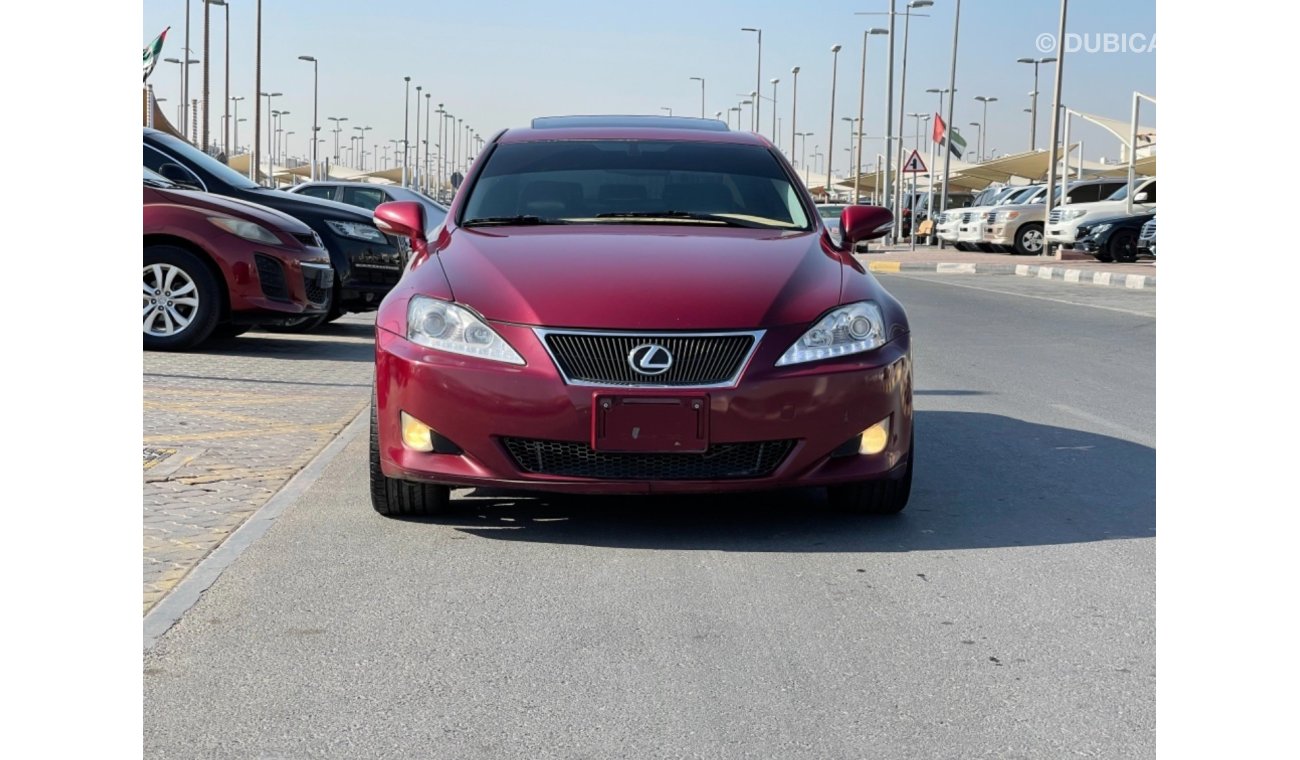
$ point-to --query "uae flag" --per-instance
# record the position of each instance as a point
(152, 52)
(940, 136)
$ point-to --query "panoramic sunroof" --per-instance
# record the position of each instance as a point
(641, 122)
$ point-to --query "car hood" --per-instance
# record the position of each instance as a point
(296, 204)
(642, 277)
(1100, 209)
(1024, 208)
(263, 215)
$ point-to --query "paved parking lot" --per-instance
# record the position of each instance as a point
(227, 425)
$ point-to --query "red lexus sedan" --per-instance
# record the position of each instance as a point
(219, 265)
(638, 305)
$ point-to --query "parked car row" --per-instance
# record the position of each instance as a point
(238, 254)
(1091, 217)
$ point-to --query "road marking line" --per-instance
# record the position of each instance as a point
(952, 284)
(1138, 436)
(954, 268)
(885, 266)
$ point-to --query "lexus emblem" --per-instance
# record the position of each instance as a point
(650, 359)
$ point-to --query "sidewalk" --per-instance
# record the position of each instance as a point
(900, 258)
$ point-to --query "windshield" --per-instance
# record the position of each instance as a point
(647, 181)
(1122, 192)
(1021, 195)
(205, 162)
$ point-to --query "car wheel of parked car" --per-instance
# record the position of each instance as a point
(400, 498)
(1123, 246)
(875, 497)
(1029, 240)
(181, 299)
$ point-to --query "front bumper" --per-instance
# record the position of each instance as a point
(477, 404)
(270, 287)
(1061, 233)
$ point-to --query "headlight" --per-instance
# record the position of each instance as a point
(1006, 216)
(448, 327)
(849, 329)
(1073, 213)
(1101, 228)
(246, 230)
(357, 231)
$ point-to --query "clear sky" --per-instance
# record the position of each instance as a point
(498, 63)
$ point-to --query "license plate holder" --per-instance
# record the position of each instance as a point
(650, 424)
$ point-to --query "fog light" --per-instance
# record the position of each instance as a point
(415, 434)
(875, 438)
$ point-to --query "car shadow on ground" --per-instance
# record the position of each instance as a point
(981, 481)
(290, 346)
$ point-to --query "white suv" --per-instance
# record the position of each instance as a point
(1063, 223)
(1017, 228)
(970, 230)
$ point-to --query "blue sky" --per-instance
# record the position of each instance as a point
(498, 63)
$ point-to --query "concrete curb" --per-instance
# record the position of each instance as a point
(163, 615)
(1061, 273)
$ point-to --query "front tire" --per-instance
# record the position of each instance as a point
(875, 497)
(182, 301)
(1029, 240)
(400, 498)
(1123, 246)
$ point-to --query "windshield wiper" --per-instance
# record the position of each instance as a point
(687, 215)
(490, 221)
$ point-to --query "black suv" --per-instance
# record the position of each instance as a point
(367, 263)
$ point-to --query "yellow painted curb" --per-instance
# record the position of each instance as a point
(885, 266)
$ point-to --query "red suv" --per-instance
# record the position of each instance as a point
(218, 265)
(638, 305)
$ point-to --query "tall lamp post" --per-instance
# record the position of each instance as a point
(428, 120)
(257, 103)
(738, 111)
(862, 100)
(207, 57)
(406, 127)
(185, 71)
(184, 64)
(902, 105)
(363, 131)
(338, 127)
(803, 153)
(701, 81)
(225, 135)
(983, 121)
(442, 119)
(315, 113)
(270, 154)
(774, 84)
(1033, 111)
(416, 174)
(794, 107)
(758, 76)
(830, 136)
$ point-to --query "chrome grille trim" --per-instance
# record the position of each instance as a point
(587, 363)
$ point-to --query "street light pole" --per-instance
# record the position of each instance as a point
(862, 100)
(830, 136)
(1033, 111)
(428, 119)
(416, 178)
(774, 84)
(803, 153)
(794, 107)
(257, 102)
(338, 127)
(442, 151)
(758, 76)
(315, 100)
(952, 96)
(1056, 115)
(225, 135)
(185, 71)
(902, 106)
(363, 131)
(983, 121)
(701, 81)
(406, 128)
(207, 55)
(270, 152)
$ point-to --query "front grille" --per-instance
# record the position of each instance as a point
(271, 275)
(722, 461)
(1148, 230)
(602, 359)
(370, 276)
(1055, 216)
(967, 216)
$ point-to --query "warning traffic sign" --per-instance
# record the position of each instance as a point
(914, 164)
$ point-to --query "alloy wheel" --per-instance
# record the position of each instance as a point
(1033, 240)
(171, 300)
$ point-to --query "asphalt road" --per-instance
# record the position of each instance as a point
(1009, 612)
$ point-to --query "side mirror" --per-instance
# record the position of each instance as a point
(177, 173)
(1140, 198)
(404, 219)
(861, 223)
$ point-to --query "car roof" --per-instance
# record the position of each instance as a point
(630, 127)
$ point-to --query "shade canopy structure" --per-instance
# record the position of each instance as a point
(1146, 136)
(1143, 167)
(160, 121)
